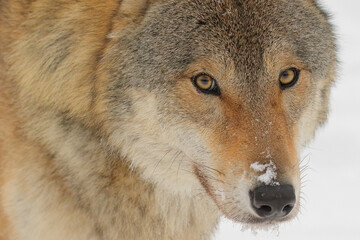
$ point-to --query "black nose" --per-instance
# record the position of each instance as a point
(273, 201)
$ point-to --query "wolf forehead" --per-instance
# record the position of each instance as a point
(173, 34)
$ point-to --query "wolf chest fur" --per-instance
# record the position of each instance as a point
(149, 119)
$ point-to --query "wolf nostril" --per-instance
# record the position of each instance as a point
(273, 201)
(265, 209)
(287, 209)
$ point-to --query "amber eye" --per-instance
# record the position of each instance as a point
(289, 77)
(206, 84)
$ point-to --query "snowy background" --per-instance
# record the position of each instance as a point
(331, 210)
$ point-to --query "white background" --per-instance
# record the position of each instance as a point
(331, 210)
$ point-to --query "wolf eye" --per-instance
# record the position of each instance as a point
(206, 84)
(289, 77)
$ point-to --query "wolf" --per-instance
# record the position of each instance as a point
(151, 119)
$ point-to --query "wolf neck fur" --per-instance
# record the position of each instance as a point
(124, 202)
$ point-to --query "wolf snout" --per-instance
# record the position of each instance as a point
(273, 201)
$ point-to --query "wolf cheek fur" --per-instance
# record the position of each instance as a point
(104, 134)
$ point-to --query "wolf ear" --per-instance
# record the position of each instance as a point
(130, 12)
(135, 7)
(315, 4)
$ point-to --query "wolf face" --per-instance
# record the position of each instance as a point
(218, 98)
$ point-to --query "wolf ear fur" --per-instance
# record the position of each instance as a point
(315, 4)
(130, 12)
(135, 7)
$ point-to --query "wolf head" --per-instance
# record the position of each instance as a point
(219, 97)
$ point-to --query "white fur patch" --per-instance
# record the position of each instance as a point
(270, 172)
